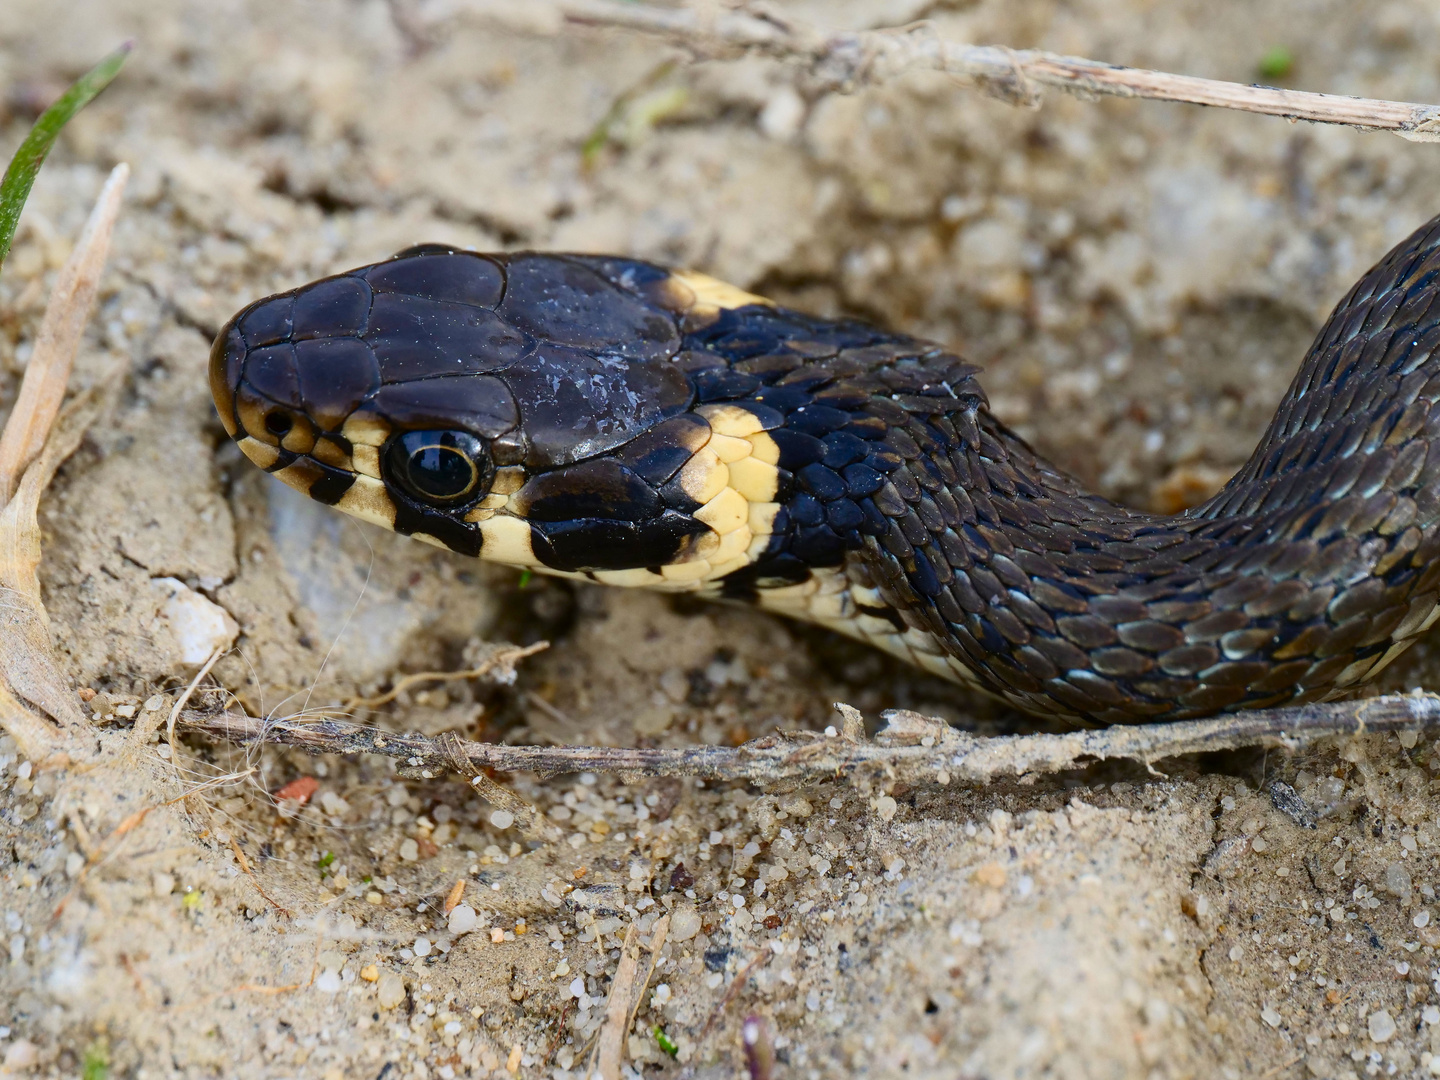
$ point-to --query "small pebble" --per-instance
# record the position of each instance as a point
(1381, 1025)
(885, 807)
(502, 819)
(21, 1055)
(391, 990)
(1397, 880)
(422, 946)
(684, 923)
(1271, 1017)
(991, 874)
(463, 919)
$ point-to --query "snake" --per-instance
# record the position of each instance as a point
(621, 422)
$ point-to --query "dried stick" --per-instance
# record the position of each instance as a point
(32, 447)
(913, 748)
(58, 341)
(611, 1049)
(848, 61)
(503, 658)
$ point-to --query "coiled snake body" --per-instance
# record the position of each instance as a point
(617, 421)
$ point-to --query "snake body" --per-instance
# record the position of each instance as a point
(615, 420)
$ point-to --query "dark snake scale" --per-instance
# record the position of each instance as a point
(621, 422)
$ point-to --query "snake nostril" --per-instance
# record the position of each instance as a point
(278, 424)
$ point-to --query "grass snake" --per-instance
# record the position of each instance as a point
(621, 422)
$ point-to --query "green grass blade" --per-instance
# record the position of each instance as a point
(20, 176)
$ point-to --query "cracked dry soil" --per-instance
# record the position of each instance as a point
(1139, 280)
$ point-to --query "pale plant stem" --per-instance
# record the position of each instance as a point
(850, 60)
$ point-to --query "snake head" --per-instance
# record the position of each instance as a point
(529, 409)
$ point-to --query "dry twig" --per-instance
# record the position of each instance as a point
(848, 61)
(66, 317)
(911, 749)
(617, 1010)
(31, 448)
(498, 664)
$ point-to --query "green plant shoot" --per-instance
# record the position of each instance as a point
(20, 176)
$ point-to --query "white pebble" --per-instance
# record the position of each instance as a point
(328, 982)
(1270, 1016)
(463, 919)
(502, 819)
(1422, 918)
(198, 626)
(391, 990)
(661, 995)
(1381, 1025)
(885, 807)
(21, 1055)
(1430, 1014)
(577, 987)
(684, 923)
(409, 850)
(782, 115)
(422, 946)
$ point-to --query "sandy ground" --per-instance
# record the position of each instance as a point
(1139, 280)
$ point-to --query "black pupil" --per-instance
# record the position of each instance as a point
(441, 472)
(438, 466)
(277, 423)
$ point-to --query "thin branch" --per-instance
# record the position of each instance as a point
(847, 61)
(502, 659)
(912, 748)
(66, 317)
(37, 437)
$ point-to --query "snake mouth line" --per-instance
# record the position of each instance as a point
(614, 420)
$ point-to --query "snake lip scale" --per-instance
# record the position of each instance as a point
(617, 421)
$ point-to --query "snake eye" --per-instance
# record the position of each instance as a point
(437, 466)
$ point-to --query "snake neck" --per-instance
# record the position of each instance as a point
(964, 551)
